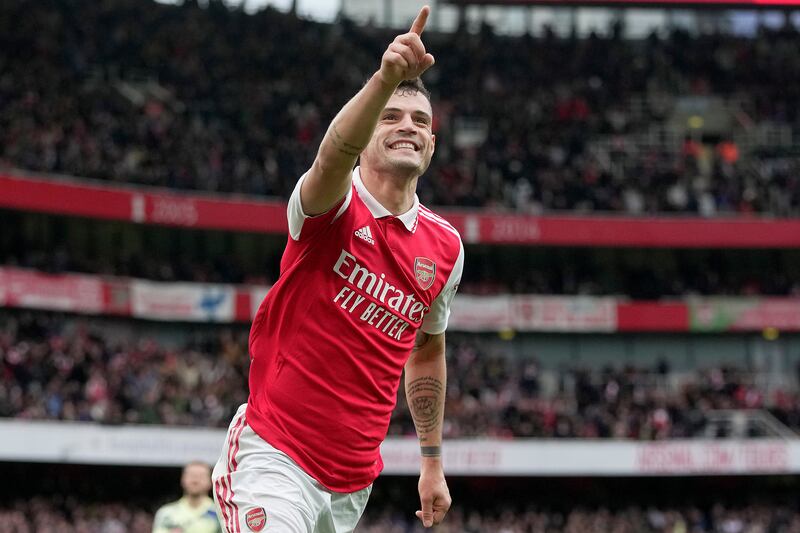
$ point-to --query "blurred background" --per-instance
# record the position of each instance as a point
(623, 353)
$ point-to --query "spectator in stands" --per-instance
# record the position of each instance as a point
(51, 369)
(109, 93)
(48, 372)
(195, 512)
(47, 516)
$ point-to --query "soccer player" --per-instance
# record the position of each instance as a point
(366, 283)
(195, 512)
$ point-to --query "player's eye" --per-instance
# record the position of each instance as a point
(389, 116)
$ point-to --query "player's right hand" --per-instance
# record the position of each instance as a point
(406, 58)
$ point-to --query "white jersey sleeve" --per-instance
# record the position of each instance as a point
(296, 216)
(435, 321)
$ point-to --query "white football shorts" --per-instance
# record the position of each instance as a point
(261, 489)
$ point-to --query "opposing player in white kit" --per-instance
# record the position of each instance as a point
(366, 283)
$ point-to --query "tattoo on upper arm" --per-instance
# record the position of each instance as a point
(425, 399)
(342, 145)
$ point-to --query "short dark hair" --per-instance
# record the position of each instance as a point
(413, 86)
(197, 462)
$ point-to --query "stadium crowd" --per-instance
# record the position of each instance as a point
(41, 515)
(718, 519)
(50, 372)
(87, 376)
(196, 98)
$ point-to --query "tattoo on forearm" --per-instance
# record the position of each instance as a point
(431, 451)
(345, 143)
(422, 339)
(425, 399)
(342, 145)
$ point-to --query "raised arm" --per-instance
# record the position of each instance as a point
(330, 176)
(426, 384)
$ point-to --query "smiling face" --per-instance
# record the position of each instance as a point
(403, 141)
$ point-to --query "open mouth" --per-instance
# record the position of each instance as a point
(404, 145)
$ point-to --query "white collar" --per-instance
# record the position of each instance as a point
(409, 218)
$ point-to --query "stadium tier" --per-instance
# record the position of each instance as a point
(681, 123)
(508, 505)
(115, 372)
(43, 516)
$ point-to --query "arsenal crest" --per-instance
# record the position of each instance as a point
(256, 519)
(425, 271)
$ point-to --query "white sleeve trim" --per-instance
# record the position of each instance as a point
(435, 321)
(295, 214)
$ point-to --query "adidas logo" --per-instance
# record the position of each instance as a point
(366, 234)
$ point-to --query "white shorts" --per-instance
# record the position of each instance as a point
(261, 489)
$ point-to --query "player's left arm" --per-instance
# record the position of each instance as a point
(426, 384)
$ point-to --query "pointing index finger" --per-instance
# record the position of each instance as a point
(419, 22)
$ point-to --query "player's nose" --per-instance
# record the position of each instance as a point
(406, 124)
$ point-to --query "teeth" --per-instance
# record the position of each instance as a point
(395, 146)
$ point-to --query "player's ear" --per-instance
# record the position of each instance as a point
(433, 142)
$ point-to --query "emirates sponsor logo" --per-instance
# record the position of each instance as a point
(360, 277)
(256, 519)
(365, 234)
(425, 272)
(393, 309)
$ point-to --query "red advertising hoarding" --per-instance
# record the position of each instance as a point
(231, 213)
(141, 205)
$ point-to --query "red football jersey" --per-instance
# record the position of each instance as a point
(330, 339)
